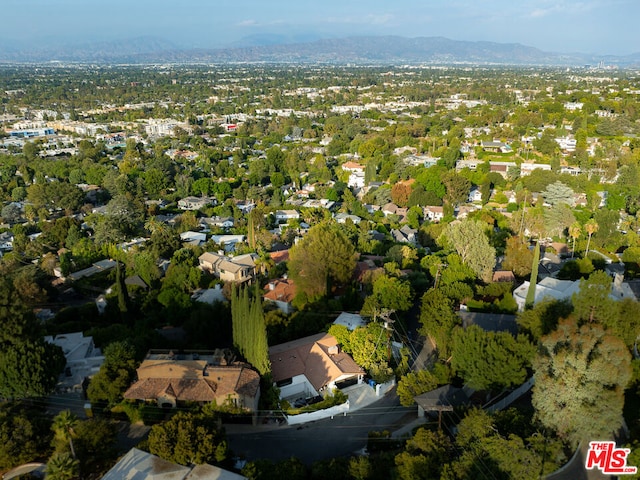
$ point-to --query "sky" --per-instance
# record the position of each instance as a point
(585, 26)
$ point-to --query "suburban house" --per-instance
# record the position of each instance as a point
(433, 213)
(194, 238)
(228, 241)
(220, 222)
(475, 195)
(321, 203)
(356, 180)
(462, 211)
(101, 266)
(283, 216)
(393, 209)
(350, 320)
(209, 295)
(140, 465)
(305, 367)
(169, 379)
(405, 234)
(281, 292)
(239, 269)
(279, 256)
(245, 206)
(555, 289)
(352, 167)
(195, 203)
(496, 147)
(343, 217)
(82, 357)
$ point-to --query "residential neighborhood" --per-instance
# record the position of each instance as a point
(194, 257)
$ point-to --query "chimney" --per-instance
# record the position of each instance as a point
(334, 350)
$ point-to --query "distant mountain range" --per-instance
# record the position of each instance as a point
(283, 49)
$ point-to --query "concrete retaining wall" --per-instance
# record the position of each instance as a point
(318, 414)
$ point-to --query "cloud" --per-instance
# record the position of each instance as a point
(540, 12)
(254, 23)
(370, 19)
(247, 23)
(562, 7)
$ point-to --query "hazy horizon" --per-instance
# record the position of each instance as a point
(589, 26)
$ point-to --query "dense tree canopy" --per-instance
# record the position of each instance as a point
(490, 360)
(29, 366)
(188, 439)
(580, 377)
(325, 256)
(116, 373)
(469, 239)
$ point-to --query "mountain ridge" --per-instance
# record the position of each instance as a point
(386, 49)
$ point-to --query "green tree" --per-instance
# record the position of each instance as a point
(95, 443)
(369, 345)
(389, 293)
(121, 289)
(438, 320)
(575, 230)
(490, 360)
(580, 376)
(456, 188)
(249, 329)
(62, 466)
(64, 429)
(591, 227)
(29, 368)
(323, 257)
(470, 240)
(188, 439)
(543, 317)
(22, 435)
(424, 456)
(488, 453)
(592, 301)
(533, 280)
(557, 193)
(517, 256)
(115, 375)
(415, 383)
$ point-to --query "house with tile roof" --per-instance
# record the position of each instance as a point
(281, 293)
(169, 378)
(310, 365)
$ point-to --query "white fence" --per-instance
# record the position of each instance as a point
(318, 414)
(512, 397)
(382, 388)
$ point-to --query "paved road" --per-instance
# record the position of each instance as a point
(319, 440)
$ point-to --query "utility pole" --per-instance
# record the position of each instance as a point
(388, 326)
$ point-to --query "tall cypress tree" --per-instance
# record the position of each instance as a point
(249, 328)
(531, 293)
(123, 295)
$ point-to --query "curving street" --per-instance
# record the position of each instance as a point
(342, 435)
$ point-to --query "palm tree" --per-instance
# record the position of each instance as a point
(591, 227)
(575, 230)
(64, 428)
(62, 466)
